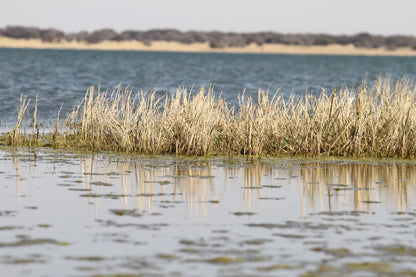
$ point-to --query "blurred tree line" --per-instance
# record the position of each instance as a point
(215, 39)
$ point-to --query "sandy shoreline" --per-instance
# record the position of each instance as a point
(333, 49)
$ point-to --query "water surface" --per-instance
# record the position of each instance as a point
(71, 214)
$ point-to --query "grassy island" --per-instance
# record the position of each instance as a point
(368, 121)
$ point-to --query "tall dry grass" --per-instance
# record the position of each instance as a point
(14, 137)
(182, 123)
(369, 121)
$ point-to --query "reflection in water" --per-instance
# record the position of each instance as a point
(144, 180)
(357, 185)
(204, 214)
(19, 184)
(321, 186)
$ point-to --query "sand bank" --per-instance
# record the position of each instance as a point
(333, 49)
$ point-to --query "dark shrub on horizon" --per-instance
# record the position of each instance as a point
(365, 40)
(50, 35)
(101, 35)
(215, 39)
(195, 36)
(128, 35)
(270, 37)
(254, 38)
(21, 32)
(392, 42)
(323, 40)
(80, 36)
(299, 39)
(161, 34)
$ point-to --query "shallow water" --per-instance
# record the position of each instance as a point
(71, 214)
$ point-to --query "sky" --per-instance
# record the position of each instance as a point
(384, 17)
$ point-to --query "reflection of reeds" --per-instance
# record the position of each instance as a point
(357, 185)
(335, 186)
(338, 186)
(252, 182)
(150, 183)
(377, 121)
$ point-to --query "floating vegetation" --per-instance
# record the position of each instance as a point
(9, 228)
(151, 227)
(108, 195)
(290, 236)
(256, 241)
(158, 182)
(243, 213)
(193, 243)
(86, 258)
(65, 176)
(99, 183)
(77, 189)
(30, 259)
(166, 256)
(276, 267)
(343, 213)
(367, 121)
(123, 212)
(338, 252)
(265, 225)
(271, 198)
(223, 260)
(190, 250)
(44, 225)
(94, 195)
(295, 224)
(398, 250)
(29, 242)
(8, 213)
(214, 201)
(379, 267)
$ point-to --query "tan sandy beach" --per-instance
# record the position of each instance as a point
(333, 49)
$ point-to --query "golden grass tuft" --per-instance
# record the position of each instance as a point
(369, 121)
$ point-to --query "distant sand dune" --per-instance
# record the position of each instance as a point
(333, 49)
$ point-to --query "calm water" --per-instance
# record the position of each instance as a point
(63, 76)
(66, 214)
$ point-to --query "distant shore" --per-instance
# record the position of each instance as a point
(171, 46)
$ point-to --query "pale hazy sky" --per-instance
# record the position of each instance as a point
(287, 16)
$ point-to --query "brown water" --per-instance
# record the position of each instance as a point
(68, 214)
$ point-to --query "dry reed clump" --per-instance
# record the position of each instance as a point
(181, 123)
(370, 121)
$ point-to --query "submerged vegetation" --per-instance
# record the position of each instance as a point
(368, 121)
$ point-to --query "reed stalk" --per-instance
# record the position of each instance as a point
(35, 135)
(21, 110)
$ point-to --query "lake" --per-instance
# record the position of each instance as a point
(68, 213)
(61, 77)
